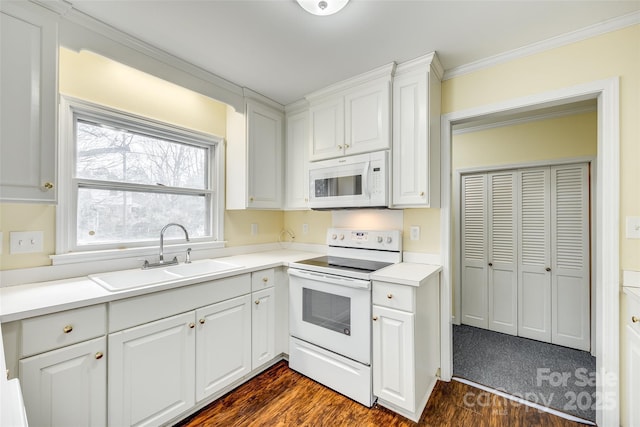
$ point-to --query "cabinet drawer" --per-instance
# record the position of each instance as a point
(262, 279)
(44, 333)
(400, 297)
(633, 311)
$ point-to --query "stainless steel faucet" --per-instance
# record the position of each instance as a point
(162, 262)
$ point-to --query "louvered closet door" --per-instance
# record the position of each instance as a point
(502, 238)
(570, 293)
(534, 258)
(474, 251)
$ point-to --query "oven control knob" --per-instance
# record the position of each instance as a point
(342, 237)
(389, 239)
(334, 236)
(380, 239)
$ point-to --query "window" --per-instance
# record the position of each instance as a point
(124, 177)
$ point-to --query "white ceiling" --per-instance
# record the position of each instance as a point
(277, 49)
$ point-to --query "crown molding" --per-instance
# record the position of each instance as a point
(610, 25)
(420, 63)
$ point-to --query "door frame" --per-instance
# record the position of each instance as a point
(591, 162)
(607, 247)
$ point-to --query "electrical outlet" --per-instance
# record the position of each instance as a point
(26, 242)
(415, 232)
(305, 228)
(254, 229)
(1, 243)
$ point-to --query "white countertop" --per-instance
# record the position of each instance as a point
(36, 299)
(406, 273)
(632, 291)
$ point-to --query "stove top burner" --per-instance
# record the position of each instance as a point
(349, 264)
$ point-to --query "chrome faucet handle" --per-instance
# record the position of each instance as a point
(187, 258)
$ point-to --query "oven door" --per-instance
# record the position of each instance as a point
(332, 312)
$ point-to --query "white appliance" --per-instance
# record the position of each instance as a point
(330, 309)
(360, 181)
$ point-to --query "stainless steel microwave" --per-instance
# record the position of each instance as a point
(358, 181)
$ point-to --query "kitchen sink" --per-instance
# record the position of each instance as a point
(137, 278)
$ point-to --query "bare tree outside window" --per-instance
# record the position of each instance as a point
(131, 184)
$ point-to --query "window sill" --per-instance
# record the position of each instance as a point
(142, 253)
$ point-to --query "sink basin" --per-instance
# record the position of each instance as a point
(137, 278)
(201, 268)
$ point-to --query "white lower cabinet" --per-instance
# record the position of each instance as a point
(66, 387)
(263, 321)
(631, 377)
(406, 343)
(151, 372)
(223, 345)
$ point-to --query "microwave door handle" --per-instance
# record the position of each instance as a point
(365, 178)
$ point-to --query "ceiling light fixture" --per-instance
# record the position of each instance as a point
(322, 7)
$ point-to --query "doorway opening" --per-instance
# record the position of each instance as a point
(605, 249)
(522, 288)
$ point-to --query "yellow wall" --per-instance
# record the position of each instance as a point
(237, 227)
(318, 222)
(34, 217)
(558, 138)
(429, 222)
(602, 57)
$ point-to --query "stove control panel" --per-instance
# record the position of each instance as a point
(389, 240)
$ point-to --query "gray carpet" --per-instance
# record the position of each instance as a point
(548, 374)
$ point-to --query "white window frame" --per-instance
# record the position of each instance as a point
(67, 249)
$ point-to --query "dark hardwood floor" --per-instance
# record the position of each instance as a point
(282, 397)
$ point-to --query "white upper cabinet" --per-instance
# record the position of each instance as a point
(254, 156)
(416, 133)
(352, 116)
(297, 157)
(29, 84)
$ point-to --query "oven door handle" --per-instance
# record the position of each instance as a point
(336, 280)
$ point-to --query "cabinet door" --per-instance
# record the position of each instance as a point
(327, 129)
(28, 83)
(367, 117)
(223, 347)
(66, 387)
(474, 251)
(151, 372)
(633, 374)
(503, 261)
(570, 257)
(264, 135)
(393, 357)
(297, 180)
(534, 268)
(263, 332)
(410, 140)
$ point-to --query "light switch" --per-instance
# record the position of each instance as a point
(25, 242)
(633, 227)
(305, 228)
(254, 229)
(1, 243)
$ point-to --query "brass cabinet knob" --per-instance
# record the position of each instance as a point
(48, 185)
(99, 355)
(389, 296)
(67, 329)
(251, 199)
(257, 301)
(201, 321)
(635, 319)
(346, 146)
(422, 194)
(339, 147)
(192, 325)
(375, 318)
(265, 279)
